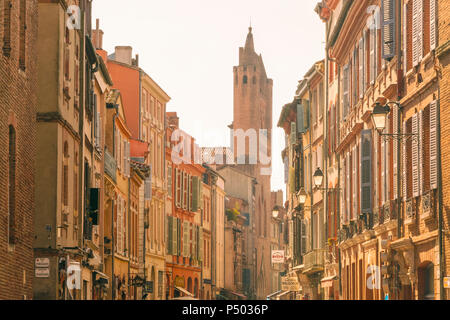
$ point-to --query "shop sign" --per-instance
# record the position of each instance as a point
(42, 272)
(290, 284)
(42, 262)
(277, 256)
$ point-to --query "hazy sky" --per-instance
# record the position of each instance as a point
(189, 47)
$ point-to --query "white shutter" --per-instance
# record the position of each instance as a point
(347, 207)
(383, 171)
(354, 184)
(395, 152)
(417, 28)
(433, 33)
(405, 38)
(404, 180)
(415, 158)
(361, 69)
(372, 46)
(433, 145)
(420, 151)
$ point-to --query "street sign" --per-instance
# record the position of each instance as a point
(447, 282)
(42, 272)
(277, 256)
(42, 262)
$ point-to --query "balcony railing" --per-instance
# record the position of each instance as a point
(314, 261)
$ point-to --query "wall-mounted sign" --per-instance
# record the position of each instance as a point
(447, 282)
(277, 256)
(42, 272)
(290, 284)
(42, 262)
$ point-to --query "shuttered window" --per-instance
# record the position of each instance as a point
(420, 153)
(148, 189)
(426, 148)
(395, 146)
(346, 88)
(372, 53)
(293, 135)
(169, 235)
(353, 188)
(417, 32)
(415, 157)
(433, 145)
(361, 51)
(300, 118)
(409, 162)
(355, 69)
(433, 24)
(404, 167)
(348, 188)
(388, 29)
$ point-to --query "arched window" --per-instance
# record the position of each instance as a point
(12, 185)
(189, 285)
(245, 80)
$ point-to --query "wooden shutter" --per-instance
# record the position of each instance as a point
(291, 179)
(195, 194)
(355, 77)
(188, 192)
(293, 135)
(372, 46)
(185, 238)
(383, 171)
(190, 239)
(433, 145)
(286, 170)
(433, 32)
(148, 188)
(366, 171)
(201, 249)
(347, 206)
(404, 180)
(169, 235)
(405, 23)
(415, 158)
(354, 178)
(420, 153)
(342, 194)
(417, 32)
(388, 36)
(361, 68)
(303, 237)
(300, 118)
(346, 88)
(395, 147)
(376, 168)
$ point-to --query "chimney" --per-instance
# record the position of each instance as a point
(173, 119)
(135, 62)
(123, 54)
(97, 36)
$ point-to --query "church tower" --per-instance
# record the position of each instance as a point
(253, 110)
(252, 94)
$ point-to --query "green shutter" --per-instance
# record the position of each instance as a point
(195, 194)
(200, 194)
(366, 171)
(300, 118)
(169, 235)
(291, 180)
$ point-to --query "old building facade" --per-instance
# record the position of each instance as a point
(18, 106)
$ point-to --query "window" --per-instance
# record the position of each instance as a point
(254, 80)
(65, 177)
(7, 5)
(245, 80)
(169, 180)
(22, 35)
(12, 185)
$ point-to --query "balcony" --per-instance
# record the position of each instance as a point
(314, 261)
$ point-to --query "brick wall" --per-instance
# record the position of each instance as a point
(18, 107)
(444, 60)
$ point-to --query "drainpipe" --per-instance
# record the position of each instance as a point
(442, 291)
(83, 103)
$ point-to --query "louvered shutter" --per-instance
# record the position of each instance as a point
(342, 194)
(293, 133)
(383, 171)
(128, 160)
(185, 239)
(376, 168)
(433, 145)
(388, 29)
(321, 230)
(420, 152)
(303, 237)
(433, 33)
(116, 146)
(286, 170)
(148, 188)
(404, 168)
(306, 107)
(417, 28)
(354, 177)
(195, 194)
(291, 179)
(355, 77)
(361, 68)
(177, 236)
(346, 88)
(415, 158)
(190, 239)
(169, 235)
(405, 37)
(188, 196)
(177, 192)
(300, 118)
(200, 194)
(347, 206)
(395, 148)
(201, 250)
(372, 46)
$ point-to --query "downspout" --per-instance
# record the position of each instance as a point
(113, 292)
(83, 103)
(310, 166)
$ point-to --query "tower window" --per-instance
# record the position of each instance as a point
(23, 27)
(12, 185)
(245, 80)
(7, 5)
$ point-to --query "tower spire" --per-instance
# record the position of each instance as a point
(249, 45)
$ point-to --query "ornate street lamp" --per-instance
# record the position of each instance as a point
(379, 116)
(318, 178)
(302, 196)
(275, 212)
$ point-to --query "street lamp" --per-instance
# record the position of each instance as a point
(379, 116)
(318, 177)
(302, 196)
(275, 212)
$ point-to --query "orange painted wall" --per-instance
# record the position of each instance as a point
(126, 79)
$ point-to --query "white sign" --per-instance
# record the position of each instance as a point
(277, 256)
(42, 272)
(290, 284)
(42, 262)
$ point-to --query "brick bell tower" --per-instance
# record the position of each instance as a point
(253, 110)
(252, 95)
